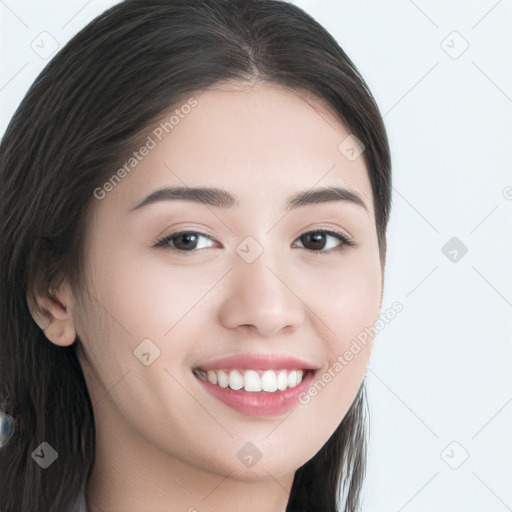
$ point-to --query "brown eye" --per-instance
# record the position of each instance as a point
(317, 241)
(184, 241)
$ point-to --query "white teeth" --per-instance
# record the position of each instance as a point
(236, 380)
(223, 379)
(269, 381)
(282, 380)
(212, 376)
(253, 380)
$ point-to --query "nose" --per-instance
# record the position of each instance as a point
(261, 296)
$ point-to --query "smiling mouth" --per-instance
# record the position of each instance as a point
(270, 381)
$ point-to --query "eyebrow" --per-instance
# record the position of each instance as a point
(221, 198)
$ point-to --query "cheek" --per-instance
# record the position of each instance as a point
(143, 297)
(349, 300)
(349, 306)
(355, 301)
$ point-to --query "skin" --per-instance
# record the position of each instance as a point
(163, 443)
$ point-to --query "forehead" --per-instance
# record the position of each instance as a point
(259, 141)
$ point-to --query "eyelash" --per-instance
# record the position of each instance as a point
(345, 241)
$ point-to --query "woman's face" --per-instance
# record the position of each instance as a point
(247, 283)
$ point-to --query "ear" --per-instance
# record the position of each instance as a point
(52, 313)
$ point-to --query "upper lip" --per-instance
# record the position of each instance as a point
(260, 361)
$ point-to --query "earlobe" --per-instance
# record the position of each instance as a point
(52, 314)
(61, 332)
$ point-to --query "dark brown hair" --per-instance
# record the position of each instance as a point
(86, 111)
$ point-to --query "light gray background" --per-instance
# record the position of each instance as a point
(439, 381)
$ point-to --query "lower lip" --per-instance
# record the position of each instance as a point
(260, 403)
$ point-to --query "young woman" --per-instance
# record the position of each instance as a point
(195, 197)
